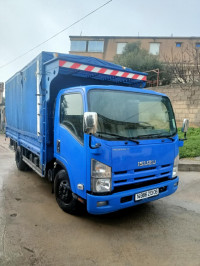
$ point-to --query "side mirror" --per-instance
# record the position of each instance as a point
(90, 121)
(185, 127)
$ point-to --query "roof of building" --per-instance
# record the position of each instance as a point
(137, 37)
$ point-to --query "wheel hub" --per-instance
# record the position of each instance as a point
(63, 191)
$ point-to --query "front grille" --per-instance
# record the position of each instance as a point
(142, 177)
(139, 185)
(165, 173)
(165, 165)
(120, 181)
(144, 169)
(137, 178)
(120, 172)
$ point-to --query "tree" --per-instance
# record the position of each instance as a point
(185, 66)
(139, 59)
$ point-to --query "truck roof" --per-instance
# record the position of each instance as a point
(115, 87)
(91, 67)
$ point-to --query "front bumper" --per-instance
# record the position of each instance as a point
(115, 201)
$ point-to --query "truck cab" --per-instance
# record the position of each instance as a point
(118, 146)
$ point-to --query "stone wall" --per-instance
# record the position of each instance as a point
(185, 101)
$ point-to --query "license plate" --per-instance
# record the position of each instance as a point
(147, 194)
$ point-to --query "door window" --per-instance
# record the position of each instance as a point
(71, 114)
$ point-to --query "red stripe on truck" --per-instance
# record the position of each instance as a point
(102, 70)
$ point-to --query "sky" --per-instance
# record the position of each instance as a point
(26, 23)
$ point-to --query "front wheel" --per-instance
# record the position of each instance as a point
(63, 193)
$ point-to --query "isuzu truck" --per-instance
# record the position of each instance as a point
(91, 128)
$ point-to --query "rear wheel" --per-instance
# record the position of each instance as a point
(63, 193)
(21, 165)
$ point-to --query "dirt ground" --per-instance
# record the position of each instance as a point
(35, 231)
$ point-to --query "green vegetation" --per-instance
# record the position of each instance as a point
(191, 146)
(139, 59)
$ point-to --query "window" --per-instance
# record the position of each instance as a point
(96, 46)
(198, 45)
(154, 48)
(130, 114)
(71, 114)
(120, 47)
(87, 46)
(78, 46)
(178, 44)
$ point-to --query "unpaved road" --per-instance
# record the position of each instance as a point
(34, 231)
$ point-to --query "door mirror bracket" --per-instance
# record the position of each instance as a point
(96, 146)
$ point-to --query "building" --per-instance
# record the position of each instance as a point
(2, 108)
(106, 47)
(178, 51)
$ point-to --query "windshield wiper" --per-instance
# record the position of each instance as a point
(155, 135)
(142, 124)
(168, 137)
(119, 136)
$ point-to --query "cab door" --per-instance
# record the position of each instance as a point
(69, 139)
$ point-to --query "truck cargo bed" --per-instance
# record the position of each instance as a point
(31, 95)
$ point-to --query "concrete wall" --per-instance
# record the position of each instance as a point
(185, 101)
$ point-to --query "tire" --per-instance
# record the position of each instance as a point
(63, 193)
(21, 165)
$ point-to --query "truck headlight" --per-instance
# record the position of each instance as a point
(175, 167)
(100, 177)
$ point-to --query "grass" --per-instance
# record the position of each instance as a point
(191, 146)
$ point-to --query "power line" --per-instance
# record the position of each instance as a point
(92, 12)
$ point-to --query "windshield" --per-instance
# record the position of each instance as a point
(131, 115)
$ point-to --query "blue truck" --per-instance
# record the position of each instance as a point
(91, 128)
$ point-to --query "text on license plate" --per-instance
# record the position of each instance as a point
(146, 194)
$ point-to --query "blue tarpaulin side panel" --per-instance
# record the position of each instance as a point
(22, 94)
(21, 104)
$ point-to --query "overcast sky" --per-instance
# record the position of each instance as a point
(26, 23)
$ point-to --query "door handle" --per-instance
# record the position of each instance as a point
(58, 146)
